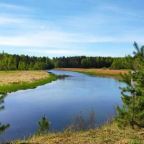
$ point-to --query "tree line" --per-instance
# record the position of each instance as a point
(94, 62)
(24, 62)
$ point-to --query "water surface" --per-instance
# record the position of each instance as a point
(60, 101)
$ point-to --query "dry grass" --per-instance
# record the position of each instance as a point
(108, 134)
(10, 77)
(11, 81)
(98, 72)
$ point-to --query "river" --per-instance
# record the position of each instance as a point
(60, 101)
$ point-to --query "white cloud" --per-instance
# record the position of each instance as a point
(10, 6)
(33, 33)
(6, 20)
(63, 39)
(43, 33)
(46, 38)
(56, 52)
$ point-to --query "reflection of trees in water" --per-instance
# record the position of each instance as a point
(3, 127)
(80, 122)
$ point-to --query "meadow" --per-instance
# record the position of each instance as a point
(98, 72)
(11, 81)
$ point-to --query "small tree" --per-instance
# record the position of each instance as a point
(132, 111)
(44, 125)
(2, 126)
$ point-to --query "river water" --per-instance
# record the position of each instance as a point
(60, 101)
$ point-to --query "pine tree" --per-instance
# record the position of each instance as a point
(132, 111)
(2, 126)
(44, 125)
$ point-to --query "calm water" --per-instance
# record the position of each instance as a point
(60, 101)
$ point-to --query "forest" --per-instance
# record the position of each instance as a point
(22, 62)
(94, 62)
(25, 62)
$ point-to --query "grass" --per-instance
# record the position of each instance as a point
(98, 72)
(11, 81)
(10, 77)
(107, 134)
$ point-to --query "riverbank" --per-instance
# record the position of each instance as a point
(107, 134)
(11, 81)
(97, 72)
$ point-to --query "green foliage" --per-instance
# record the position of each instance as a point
(22, 62)
(86, 63)
(44, 125)
(93, 62)
(132, 111)
(3, 127)
(139, 51)
(122, 63)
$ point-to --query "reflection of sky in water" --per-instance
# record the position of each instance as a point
(60, 101)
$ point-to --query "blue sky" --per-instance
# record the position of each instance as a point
(71, 27)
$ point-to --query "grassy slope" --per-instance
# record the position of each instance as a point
(20, 80)
(107, 134)
(98, 72)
